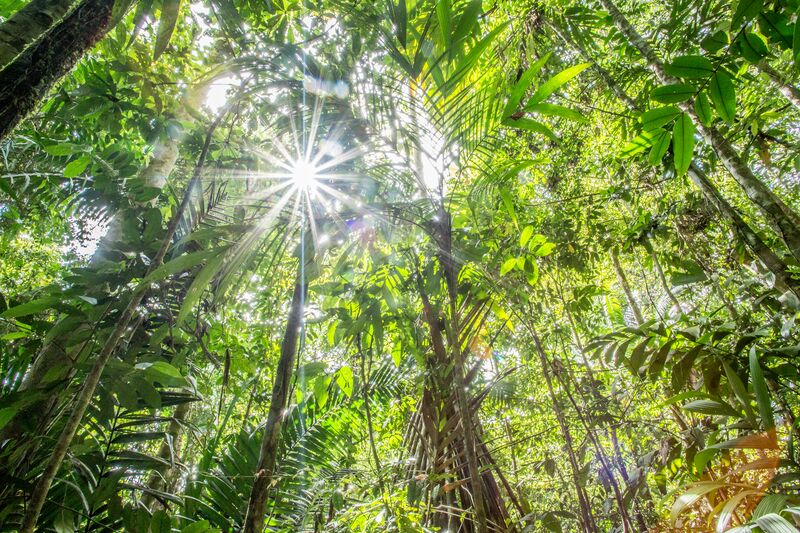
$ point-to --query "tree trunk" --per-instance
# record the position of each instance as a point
(163, 477)
(587, 520)
(786, 89)
(750, 238)
(662, 278)
(26, 25)
(780, 216)
(256, 507)
(443, 236)
(28, 78)
(623, 281)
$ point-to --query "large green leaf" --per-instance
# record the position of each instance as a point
(522, 85)
(683, 143)
(761, 391)
(555, 83)
(746, 10)
(660, 116)
(691, 66)
(723, 95)
(674, 93)
(166, 25)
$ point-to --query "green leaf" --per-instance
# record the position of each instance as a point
(660, 116)
(683, 368)
(521, 87)
(723, 95)
(752, 47)
(555, 110)
(161, 522)
(344, 378)
(640, 143)
(467, 21)
(775, 523)
(444, 16)
(166, 25)
(739, 389)
(674, 93)
(746, 10)
(526, 235)
(761, 391)
(555, 83)
(62, 149)
(703, 109)
(691, 66)
(796, 45)
(534, 126)
(683, 143)
(508, 203)
(711, 407)
(203, 526)
(660, 147)
(638, 355)
(163, 373)
(691, 495)
(199, 285)
(715, 42)
(76, 166)
(6, 414)
(545, 249)
(508, 266)
(32, 307)
(775, 25)
(179, 264)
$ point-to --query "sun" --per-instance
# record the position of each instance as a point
(304, 175)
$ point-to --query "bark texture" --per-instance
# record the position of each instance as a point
(265, 470)
(626, 288)
(26, 25)
(28, 78)
(789, 91)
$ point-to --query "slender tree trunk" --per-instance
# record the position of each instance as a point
(42, 487)
(640, 521)
(28, 78)
(662, 278)
(623, 282)
(26, 25)
(599, 452)
(750, 238)
(161, 479)
(256, 507)
(788, 90)
(587, 520)
(780, 216)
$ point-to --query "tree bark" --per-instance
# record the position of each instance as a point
(163, 477)
(780, 216)
(587, 520)
(28, 78)
(26, 25)
(746, 234)
(443, 236)
(789, 91)
(256, 507)
(662, 278)
(623, 281)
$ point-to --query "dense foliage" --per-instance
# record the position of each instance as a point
(403, 265)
